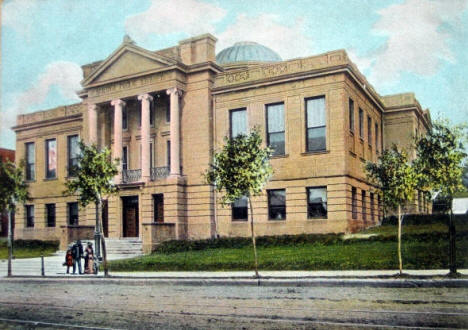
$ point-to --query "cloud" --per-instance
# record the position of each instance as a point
(165, 17)
(288, 40)
(418, 37)
(62, 75)
(17, 14)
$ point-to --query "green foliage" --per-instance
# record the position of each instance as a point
(13, 189)
(94, 175)
(394, 176)
(440, 156)
(425, 219)
(241, 168)
(29, 248)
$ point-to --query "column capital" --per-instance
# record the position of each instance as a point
(92, 106)
(117, 102)
(174, 90)
(145, 97)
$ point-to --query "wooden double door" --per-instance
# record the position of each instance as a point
(130, 216)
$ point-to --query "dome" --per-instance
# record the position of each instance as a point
(247, 51)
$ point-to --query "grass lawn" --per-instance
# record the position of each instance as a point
(28, 249)
(425, 247)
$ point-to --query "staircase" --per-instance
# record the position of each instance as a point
(121, 248)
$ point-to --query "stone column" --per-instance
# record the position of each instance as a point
(117, 152)
(92, 124)
(145, 136)
(175, 130)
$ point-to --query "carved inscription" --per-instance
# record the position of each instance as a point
(238, 76)
(275, 70)
(123, 85)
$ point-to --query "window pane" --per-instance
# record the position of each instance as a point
(73, 154)
(29, 215)
(50, 209)
(73, 214)
(376, 137)
(316, 112)
(364, 211)
(124, 158)
(277, 204)
(51, 151)
(316, 139)
(30, 160)
(276, 142)
(238, 122)
(124, 118)
(361, 124)
(239, 209)
(354, 203)
(275, 117)
(369, 130)
(317, 202)
(351, 115)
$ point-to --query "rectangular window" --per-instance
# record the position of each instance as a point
(158, 208)
(73, 154)
(30, 161)
(316, 124)
(361, 124)
(168, 153)
(372, 207)
(51, 159)
(364, 211)
(238, 122)
(369, 130)
(124, 158)
(168, 109)
(124, 118)
(376, 137)
(351, 115)
(50, 215)
(277, 204)
(29, 212)
(72, 214)
(354, 202)
(152, 113)
(275, 128)
(317, 202)
(239, 209)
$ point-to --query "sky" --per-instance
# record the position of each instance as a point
(401, 46)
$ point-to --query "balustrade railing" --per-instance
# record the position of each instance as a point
(129, 176)
(159, 172)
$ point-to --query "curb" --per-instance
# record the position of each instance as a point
(249, 281)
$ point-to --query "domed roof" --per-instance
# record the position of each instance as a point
(247, 51)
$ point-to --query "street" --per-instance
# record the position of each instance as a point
(146, 304)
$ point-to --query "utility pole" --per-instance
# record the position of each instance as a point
(10, 243)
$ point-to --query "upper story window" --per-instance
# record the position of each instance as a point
(30, 161)
(29, 213)
(369, 130)
(275, 128)
(73, 154)
(316, 124)
(51, 158)
(361, 124)
(351, 115)
(238, 122)
(317, 202)
(72, 214)
(125, 158)
(239, 209)
(376, 137)
(277, 204)
(50, 215)
(124, 118)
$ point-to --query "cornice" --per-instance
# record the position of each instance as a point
(48, 122)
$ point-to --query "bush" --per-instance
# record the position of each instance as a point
(422, 219)
(32, 244)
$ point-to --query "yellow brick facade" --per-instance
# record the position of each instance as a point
(208, 93)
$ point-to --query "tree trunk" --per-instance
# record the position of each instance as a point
(253, 238)
(10, 242)
(101, 236)
(452, 247)
(399, 240)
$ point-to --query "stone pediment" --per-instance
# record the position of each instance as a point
(127, 61)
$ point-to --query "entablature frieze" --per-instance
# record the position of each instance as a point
(135, 86)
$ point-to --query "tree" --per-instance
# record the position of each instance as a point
(439, 164)
(397, 182)
(241, 168)
(13, 190)
(93, 181)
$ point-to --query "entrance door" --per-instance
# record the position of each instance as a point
(130, 216)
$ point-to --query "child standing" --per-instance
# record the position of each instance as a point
(68, 259)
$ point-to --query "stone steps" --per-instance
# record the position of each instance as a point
(121, 246)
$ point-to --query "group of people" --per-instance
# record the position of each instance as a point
(75, 254)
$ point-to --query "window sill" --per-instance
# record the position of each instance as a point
(352, 154)
(277, 220)
(361, 140)
(362, 159)
(239, 221)
(280, 156)
(351, 133)
(319, 152)
(317, 219)
(50, 179)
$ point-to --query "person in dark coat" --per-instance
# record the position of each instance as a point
(77, 253)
